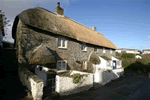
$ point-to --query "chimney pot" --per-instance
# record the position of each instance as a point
(59, 10)
(58, 4)
(94, 28)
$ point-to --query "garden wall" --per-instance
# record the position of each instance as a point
(32, 82)
(103, 77)
(65, 85)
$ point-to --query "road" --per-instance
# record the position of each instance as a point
(134, 86)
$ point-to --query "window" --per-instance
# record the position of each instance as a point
(103, 50)
(62, 65)
(62, 43)
(84, 48)
(85, 64)
(108, 63)
(40, 68)
(110, 51)
(95, 49)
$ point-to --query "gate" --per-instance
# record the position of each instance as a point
(51, 84)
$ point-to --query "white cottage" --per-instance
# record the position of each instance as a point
(146, 51)
(109, 63)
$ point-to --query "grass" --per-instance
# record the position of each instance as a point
(137, 65)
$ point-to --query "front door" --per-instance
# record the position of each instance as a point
(114, 64)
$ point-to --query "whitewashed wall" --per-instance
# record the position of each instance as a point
(65, 85)
(32, 82)
(103, 77)
(113, 58)
(119, 51)
(103, 64)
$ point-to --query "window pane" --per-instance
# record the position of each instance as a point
(59, 65)
(59, 42)
(64, 65)
(63, 44)
(83, 47)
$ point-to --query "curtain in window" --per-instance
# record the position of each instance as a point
(64, 41)
(59, 42)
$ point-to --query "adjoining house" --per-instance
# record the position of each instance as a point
(146, 51)
(138, 57)
(49, 42)
(2, 34)
(127, 50)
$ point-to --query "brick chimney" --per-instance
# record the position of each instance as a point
(94, 28)
(59, 10)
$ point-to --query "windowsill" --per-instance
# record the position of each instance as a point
(61, 71)
(62, 47)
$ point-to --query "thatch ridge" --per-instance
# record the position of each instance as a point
(106, 58)
(54, 23)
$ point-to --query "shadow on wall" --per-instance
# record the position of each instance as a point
(103, 77)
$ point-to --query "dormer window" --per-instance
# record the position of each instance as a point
(103, 50)
(62, 42)
(95, 49)
(83, 47)
(110, 51)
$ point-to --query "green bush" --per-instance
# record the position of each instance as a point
(76, 78)
(128, 55)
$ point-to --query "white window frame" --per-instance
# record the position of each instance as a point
(61, 42)
(110, 51)
(95, 49)
(108, 63)
(85, 64)
(61, 61)
(103, 50)
(85, 49)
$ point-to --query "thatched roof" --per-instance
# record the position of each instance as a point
(105, 57)
(41, 55)
(94, 58)
(46, 20)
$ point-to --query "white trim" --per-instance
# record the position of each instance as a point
(61, 42)
(110, 51)
(61, 61)
(85, 49)
(85, 64)
(103, 50)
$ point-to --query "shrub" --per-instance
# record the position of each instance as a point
(76, 78)
(128, 55)
(108, 70)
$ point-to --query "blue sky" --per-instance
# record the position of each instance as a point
(124, 22)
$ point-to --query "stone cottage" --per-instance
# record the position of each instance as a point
(56, 42)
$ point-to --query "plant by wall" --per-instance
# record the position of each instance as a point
(76, 78)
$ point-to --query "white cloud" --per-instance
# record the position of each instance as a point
(11, 8)
(149, 36)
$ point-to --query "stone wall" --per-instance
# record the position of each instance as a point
(32, 82)
(65, 85)
(104, 77)
(28, 38)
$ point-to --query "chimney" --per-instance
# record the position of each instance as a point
(94, 28)
(59, 10)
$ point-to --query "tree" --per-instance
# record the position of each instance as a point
(3, 22)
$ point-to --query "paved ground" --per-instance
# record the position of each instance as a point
(134, 86)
